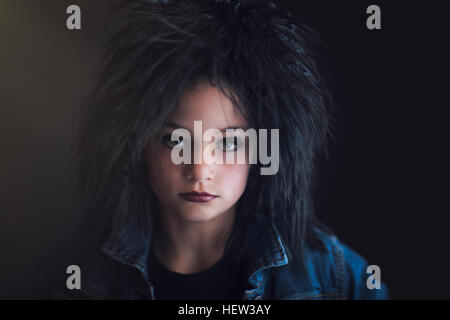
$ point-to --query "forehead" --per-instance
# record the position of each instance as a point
(208, 104)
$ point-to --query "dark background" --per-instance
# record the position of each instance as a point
(378, 192)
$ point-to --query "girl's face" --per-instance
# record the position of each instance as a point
(168, 180)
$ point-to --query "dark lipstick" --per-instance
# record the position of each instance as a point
(197, 196)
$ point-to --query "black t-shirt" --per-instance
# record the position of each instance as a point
(222, 281)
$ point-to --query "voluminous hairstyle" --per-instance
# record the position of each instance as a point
(260, 51)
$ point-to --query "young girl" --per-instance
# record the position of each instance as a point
(157, 229)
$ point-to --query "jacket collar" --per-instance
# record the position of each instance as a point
(270, 252)
(131, 245)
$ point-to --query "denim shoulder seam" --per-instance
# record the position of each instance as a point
(338, 254)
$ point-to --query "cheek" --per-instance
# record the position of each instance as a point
(162, 172)
(234, 179)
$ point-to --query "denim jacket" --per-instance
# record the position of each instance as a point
(118, 270)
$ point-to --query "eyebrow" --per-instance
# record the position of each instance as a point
(174, 125)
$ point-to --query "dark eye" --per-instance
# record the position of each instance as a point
(169, 143)
(230, 144)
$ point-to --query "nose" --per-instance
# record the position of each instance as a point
(199, 172)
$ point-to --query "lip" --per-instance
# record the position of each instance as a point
(197, 196)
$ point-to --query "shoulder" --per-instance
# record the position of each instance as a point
(100, 277)
(327, 270)
(347, 268)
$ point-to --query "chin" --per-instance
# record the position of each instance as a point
(200, 215)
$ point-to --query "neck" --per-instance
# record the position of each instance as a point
(191, 246)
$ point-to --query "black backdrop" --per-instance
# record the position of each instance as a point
(375, 191)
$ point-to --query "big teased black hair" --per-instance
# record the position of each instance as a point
(160, 48)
